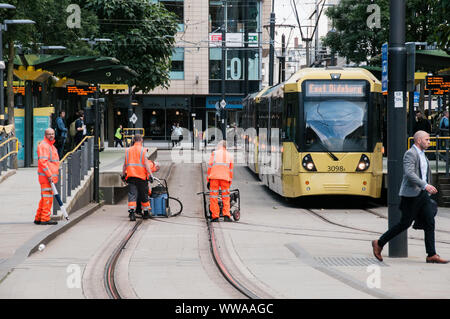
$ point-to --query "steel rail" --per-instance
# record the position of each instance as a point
(110, 267)
(216, 256)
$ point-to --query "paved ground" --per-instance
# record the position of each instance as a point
(281, 247)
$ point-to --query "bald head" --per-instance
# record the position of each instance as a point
(222, 144)
(50, 134)
(422, 140)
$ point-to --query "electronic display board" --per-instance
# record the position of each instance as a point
(335, 88)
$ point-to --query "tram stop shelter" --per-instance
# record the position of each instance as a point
(44, 74)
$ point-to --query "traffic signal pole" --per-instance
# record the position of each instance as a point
(398, 246)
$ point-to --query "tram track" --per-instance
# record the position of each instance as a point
(323, 218)
(111, 286)
(231, 278)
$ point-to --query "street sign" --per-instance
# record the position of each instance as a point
(416, 98)
(398, 99)
(223, 104)
(133, 118)
(384, 68)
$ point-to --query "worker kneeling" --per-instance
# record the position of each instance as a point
(137, 171)
(220, 176)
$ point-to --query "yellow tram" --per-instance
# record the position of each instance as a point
(318, 133)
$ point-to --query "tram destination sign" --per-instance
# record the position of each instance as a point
(438, 84)
(334, 88)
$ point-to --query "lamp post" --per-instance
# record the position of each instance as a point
(28, 106)
(2, 91)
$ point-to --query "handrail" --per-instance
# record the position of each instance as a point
(12, 152)
(438, 138)
(75, 149)
(134, 129)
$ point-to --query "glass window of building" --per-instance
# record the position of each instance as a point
(177, 7)
(177, 68)
(235, 15)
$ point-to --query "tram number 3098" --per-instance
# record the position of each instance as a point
(336, 168)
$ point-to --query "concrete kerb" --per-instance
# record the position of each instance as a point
(44, 237)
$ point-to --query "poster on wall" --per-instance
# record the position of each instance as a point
(41, 121)
(19, 122)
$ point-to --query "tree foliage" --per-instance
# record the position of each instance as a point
(142, 36)
(353, 39)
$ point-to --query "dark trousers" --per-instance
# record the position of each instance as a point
(411, 208)
(117, 142)
(137, 191)
(61, 141)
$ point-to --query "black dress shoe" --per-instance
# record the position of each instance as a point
(37, 222)
(214, 220)
(227, 219)
(50, 222)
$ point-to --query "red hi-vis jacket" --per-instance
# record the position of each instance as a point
(48, 161)
(220, 165)
(136, 163)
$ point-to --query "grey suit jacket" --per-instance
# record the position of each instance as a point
(412, 184)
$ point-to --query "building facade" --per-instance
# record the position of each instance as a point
(196, 74)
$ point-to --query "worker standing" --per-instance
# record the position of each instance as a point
(48, 170)
(137, 172)
(220, 176)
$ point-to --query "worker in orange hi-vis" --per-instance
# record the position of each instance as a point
(220, 176)
(48, 170)
(137, 172)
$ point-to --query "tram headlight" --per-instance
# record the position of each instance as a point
(363, 164)
(308, 163)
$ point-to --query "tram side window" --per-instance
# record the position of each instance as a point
(289, 120)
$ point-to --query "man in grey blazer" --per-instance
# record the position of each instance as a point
(415, 200)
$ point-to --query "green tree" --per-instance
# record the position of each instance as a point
(442, 34)
(353, 39)
(142, 36)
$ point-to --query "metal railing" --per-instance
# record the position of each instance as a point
(8, 153)
(73, 167)
(439, 146)
(128, 134)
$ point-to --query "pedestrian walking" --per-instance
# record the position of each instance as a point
(48, 170)
(415, 204)
(220, 176)
(118, 136)
(137, 172)
(444, 125)
(61, 133)
(80, 128)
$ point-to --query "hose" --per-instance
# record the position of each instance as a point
(181, 206)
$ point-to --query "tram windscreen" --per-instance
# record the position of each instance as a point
(336, 123)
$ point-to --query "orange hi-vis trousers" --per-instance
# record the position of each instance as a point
(214, 185)
(45, 208)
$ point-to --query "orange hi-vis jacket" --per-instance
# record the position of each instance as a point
(220, 165)
(48, 161)
(136, 162)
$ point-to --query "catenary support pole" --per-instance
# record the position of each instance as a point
(398, 246)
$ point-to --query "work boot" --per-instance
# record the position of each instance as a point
(146, 215)
(37, 222)
(131, 215)
(215, 220)
(227, 219)
(50, 222)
